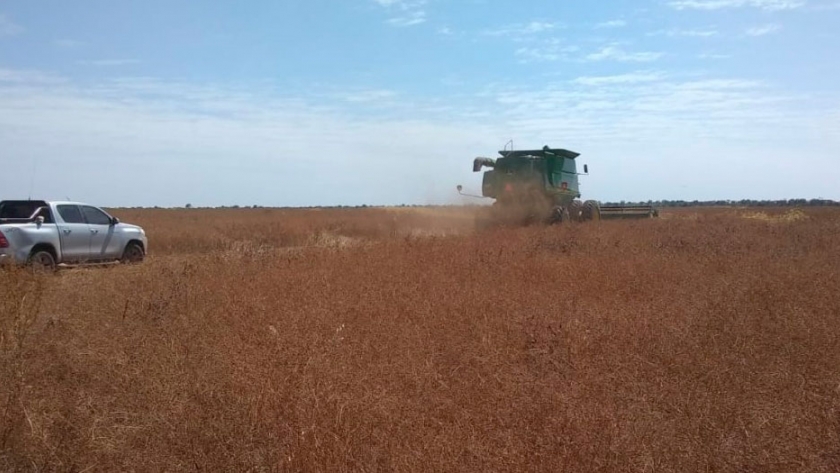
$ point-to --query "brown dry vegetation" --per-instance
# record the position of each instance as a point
(384, 340)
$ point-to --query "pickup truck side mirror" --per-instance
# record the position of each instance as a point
(114, 220)
(39, 220)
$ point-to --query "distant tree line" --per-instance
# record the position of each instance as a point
(735, 203)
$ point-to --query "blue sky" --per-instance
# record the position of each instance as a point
(388, 101)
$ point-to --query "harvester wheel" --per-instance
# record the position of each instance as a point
(576, 211)
(591, 210)
(560, 214)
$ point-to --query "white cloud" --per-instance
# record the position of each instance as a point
(769, 5)
(238, 145)
(612, 24)
(615, 53)
(520, 31)
(413, 18)
(551, 50)
(538, 27)
(644, 134)
(67, 43)
(827, 6)
(556, 50)
(680, 107)
(407, 12)
(9, 28)
(763, 30)
(713, 56)
(631, 78)
(373, 95)
(704, 33)
(109, 62)
(22, 76)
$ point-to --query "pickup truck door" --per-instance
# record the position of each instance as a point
(105, 243)
(74, 233)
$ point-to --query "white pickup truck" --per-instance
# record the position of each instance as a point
(47, 234)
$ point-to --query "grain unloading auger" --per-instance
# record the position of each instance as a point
(542, 185)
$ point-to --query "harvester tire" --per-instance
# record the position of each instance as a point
(591, 210)
(576, 211)
(559, 214)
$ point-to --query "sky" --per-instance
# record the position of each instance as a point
(387, 102)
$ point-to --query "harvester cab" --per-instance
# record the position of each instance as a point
(543, 185)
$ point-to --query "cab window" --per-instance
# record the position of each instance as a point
(95, 216)
(70, 214)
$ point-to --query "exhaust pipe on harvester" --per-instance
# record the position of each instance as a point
(479, 162)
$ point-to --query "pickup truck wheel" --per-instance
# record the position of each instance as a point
(42, 260)
(133, 253)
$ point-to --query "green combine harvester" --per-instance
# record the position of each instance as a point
(542, 186)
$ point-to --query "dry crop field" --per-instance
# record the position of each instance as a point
(402, 340)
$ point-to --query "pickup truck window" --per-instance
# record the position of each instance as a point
(12, 209)
(95, 216)
(70, 214)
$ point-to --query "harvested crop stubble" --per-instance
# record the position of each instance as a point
(703, 344)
